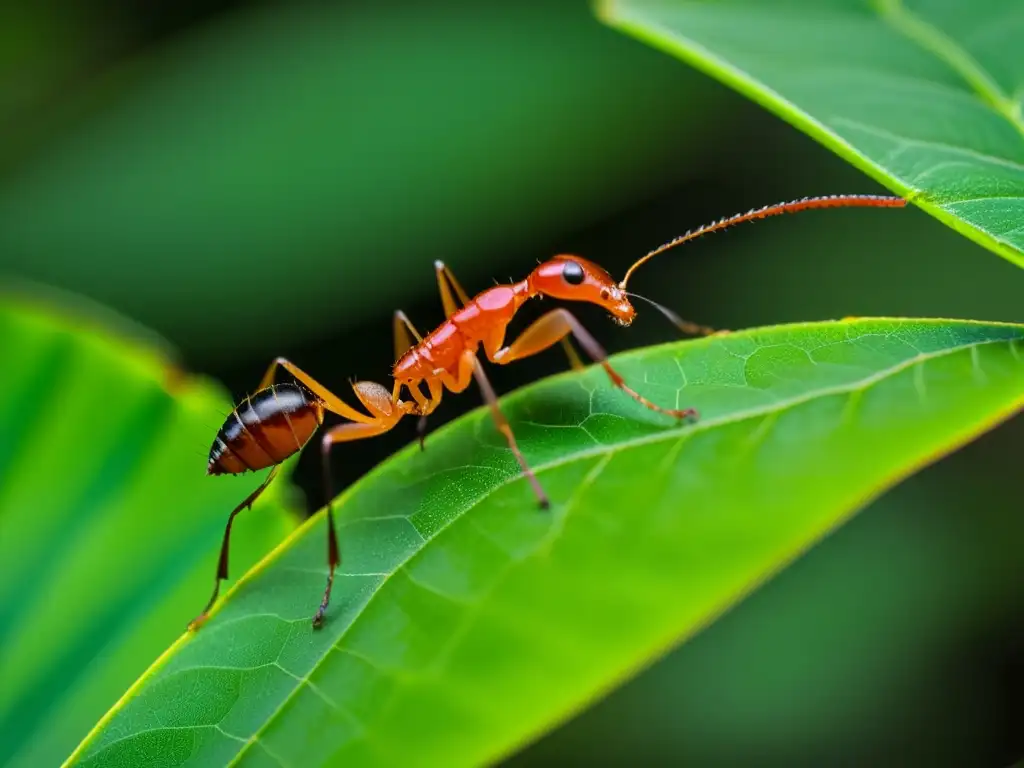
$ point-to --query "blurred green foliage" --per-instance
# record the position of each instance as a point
(100, 568)
(901, 632)
(268, 160)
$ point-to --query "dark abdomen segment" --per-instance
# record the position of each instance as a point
(265, 429)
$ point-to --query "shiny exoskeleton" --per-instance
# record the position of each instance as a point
(265, 429)
(279, 419)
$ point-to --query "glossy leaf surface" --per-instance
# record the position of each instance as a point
(466, 621)
(109, 527)
(927, 96)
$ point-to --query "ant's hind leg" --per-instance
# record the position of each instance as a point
(333, 403)
(370, 395)
(222, 563)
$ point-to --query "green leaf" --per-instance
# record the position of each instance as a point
(466, 621)
(109, 528)
(926, 96)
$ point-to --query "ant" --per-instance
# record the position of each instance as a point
(279, 419)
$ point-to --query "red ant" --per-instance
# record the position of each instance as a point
(279, 419)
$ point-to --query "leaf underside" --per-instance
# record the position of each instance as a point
(466, 621)
(926, 96)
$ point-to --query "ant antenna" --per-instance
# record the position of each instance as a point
(794, 206)
(687, 327)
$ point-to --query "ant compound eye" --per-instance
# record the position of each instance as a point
(605, 295)
(572, 273)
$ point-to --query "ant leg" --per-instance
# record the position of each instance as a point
(341, 433)
(421, 400)
(447, 284)
(555, 326)
(421, 432)
(222, 564)
(377, 400)
(404, 332)
(494, 343)
(436, 392)
(470, 365)
(503, 426)
(424, 406)
(574, 360)
(333, 403)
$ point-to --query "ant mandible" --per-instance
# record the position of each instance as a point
(279, 419)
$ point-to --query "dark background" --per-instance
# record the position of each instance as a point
(255, 179)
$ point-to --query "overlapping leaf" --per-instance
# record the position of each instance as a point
(927, 96)
(466, 621)
(109, 527)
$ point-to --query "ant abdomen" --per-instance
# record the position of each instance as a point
(265, 429)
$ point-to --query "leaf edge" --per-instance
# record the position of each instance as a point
(969, 432)
(702, 60)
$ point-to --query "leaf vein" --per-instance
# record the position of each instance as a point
(707, 424)
(905, 142)
(925, 35)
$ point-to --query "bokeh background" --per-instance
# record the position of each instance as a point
(251, 179)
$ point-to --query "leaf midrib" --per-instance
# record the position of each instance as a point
(603, 450)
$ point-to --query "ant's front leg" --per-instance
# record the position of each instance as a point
(556, 326)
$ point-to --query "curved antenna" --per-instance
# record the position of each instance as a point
(687, 327)
(794, 206)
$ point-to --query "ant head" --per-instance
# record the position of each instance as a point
(575, 279)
